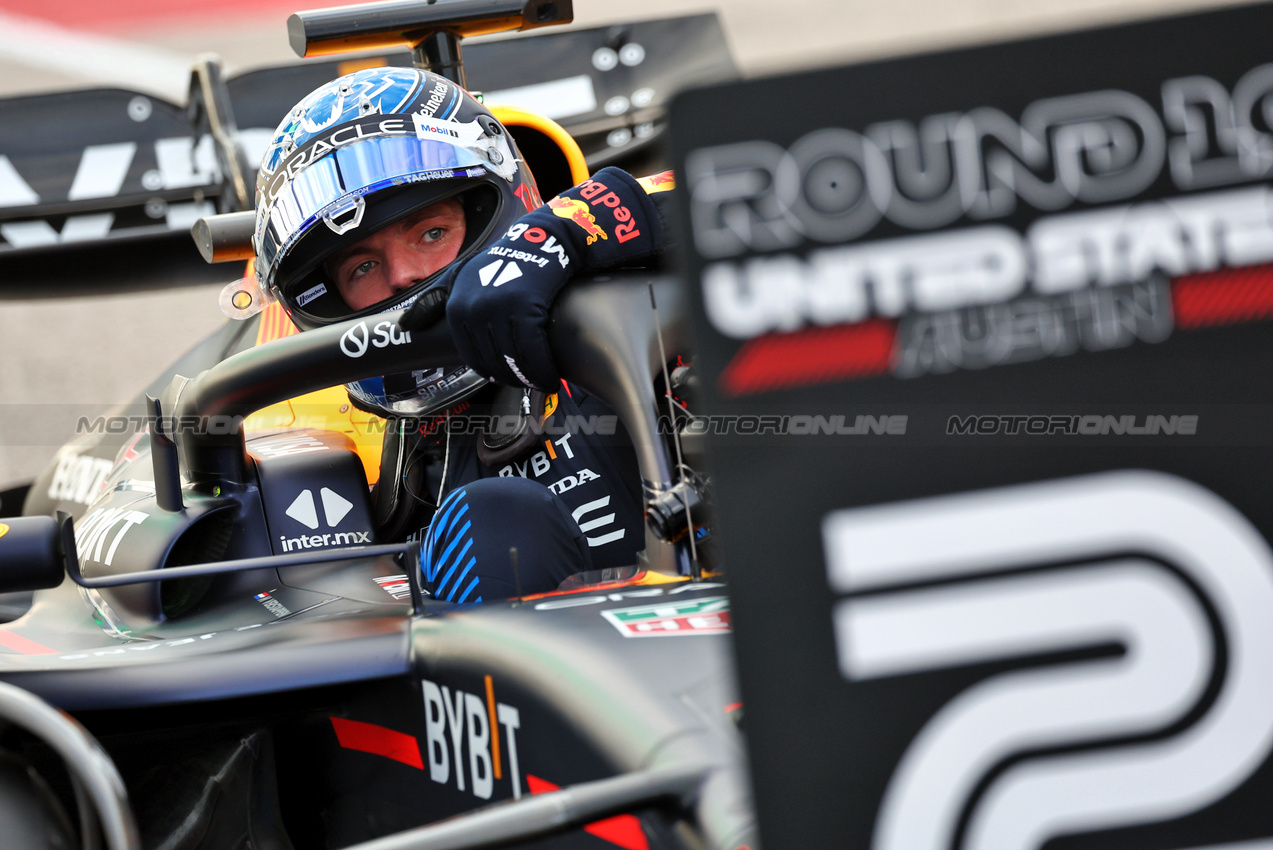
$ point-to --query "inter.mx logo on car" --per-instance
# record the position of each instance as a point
(335, 507)
(674, 617)
(1175, 721)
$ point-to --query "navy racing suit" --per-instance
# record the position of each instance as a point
(569, 501)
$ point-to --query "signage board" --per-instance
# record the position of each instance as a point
(986, 346)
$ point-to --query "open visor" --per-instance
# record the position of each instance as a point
(332, 188)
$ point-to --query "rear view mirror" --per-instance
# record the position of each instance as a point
(30, 553)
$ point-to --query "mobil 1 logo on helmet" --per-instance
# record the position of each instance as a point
(1115, 633)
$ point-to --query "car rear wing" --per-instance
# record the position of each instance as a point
(99, 187)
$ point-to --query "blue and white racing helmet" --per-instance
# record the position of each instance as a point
(358, 154)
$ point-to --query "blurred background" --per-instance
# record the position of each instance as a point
(100, 351)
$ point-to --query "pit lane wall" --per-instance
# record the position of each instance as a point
(986, 343)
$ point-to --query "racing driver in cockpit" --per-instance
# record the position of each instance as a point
(389, 183)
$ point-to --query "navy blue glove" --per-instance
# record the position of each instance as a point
(500, 298)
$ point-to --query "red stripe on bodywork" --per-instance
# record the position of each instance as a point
(623, 830)
(26, 646)
(377, 740)
(1224, 297)
(810, 356)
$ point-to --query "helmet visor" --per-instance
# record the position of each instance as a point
(332, 188)
(420, 393)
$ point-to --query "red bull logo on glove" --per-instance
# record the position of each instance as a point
(578, 212)
(664, 181)
(591, 191)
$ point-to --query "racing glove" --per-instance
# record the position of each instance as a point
(500, 299)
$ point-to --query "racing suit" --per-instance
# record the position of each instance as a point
(570, 500)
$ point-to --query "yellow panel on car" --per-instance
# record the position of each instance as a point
(323, 410)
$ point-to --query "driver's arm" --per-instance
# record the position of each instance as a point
(500, 298)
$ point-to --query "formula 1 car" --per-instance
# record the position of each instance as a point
(259, 687)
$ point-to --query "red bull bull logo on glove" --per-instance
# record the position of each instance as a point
(578, 212)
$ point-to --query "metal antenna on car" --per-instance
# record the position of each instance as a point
(517, 576)
(696, 569)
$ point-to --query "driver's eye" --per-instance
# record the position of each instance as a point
(433, 234)
(363, 268)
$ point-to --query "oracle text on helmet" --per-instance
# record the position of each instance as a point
(317, 148)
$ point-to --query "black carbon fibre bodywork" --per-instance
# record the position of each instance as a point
(315, 704)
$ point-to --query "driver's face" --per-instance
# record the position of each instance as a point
(392, 259)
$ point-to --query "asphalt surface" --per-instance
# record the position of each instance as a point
(64, 358)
